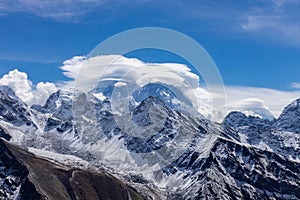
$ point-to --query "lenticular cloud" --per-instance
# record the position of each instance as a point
(252, 106)
(115, 67)
(115, 71)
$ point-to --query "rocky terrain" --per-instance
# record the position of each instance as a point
(75, 147)
(27, 176)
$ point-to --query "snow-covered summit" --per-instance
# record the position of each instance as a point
(289, 120)
(12, 109)
(55, 101)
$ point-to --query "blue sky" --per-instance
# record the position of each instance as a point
(254, 43)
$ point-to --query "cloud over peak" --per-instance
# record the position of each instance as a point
(252, 106)
(262, 102)
(240, 98)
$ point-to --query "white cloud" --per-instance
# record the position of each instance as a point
(119, 68)
(24, 89)
(251, 106)
(42, 92)
(18, 81)
(87, 72)
(72, 66)
(274, 100)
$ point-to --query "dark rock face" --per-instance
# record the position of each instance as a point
(14, 182)
(67, 182)
(4, 134)
(85, 185)
(234, 171)
(12, 109)
(59, 108)
(159, 91)
(141, 117)
(289, 120)
(238, 119)
(271, 134)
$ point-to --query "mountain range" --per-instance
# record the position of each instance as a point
(78, 147)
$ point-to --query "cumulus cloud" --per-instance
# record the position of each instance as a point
(42, 92)
(18, 81)
(24, 89)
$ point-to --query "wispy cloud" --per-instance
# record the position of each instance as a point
(60, 10)
(295, 85)
(275, 19)
(259, 22)
(29, 58)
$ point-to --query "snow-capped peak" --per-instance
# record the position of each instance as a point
(289, 120)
